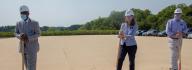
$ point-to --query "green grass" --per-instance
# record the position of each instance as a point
(6, 34)
(61, 33)
(80, 32)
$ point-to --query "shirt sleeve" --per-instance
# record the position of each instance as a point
(121, 28)
(169, 29)
(37, 32)
(17, 32)
(185, 29)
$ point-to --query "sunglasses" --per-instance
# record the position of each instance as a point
(177, 13)
(25, 12)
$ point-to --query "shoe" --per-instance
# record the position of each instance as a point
(172, 69)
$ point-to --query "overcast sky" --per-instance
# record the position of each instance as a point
(69, 12)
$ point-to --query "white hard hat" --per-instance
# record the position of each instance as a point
(24, 8)
(178, 10)
(129, 13)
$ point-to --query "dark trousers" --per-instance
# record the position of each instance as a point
(131, 50)
(30, 59)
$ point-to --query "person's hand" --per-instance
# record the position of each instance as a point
(179, 34)
(121, 35)
(24, 37)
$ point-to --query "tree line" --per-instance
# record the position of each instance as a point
(110, 25)
(145, 19)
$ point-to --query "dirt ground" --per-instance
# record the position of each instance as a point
(93, 52)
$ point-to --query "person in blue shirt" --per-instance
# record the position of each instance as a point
(128, 43)
(175, 30)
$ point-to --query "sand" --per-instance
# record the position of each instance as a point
(93, 52)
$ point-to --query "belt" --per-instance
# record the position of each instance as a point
(175, 38)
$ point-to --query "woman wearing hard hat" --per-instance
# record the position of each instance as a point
(28, 31)
(175, 30)
(127, 40)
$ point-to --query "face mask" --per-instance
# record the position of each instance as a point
(24, 17)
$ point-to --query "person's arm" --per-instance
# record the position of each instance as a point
(17, 32)
(36, 32)
(121, 28)
(185, 29)
(121, 34)
(169, 30)
(133, 32)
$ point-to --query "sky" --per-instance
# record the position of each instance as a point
(69, 12)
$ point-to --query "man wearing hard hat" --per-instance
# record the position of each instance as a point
(28, 31)
(175, 30)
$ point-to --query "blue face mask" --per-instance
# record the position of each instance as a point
(24, 17)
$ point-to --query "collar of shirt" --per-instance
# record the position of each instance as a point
(27, 21)
(177, 20)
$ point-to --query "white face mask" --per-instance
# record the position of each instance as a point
(24, 17)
